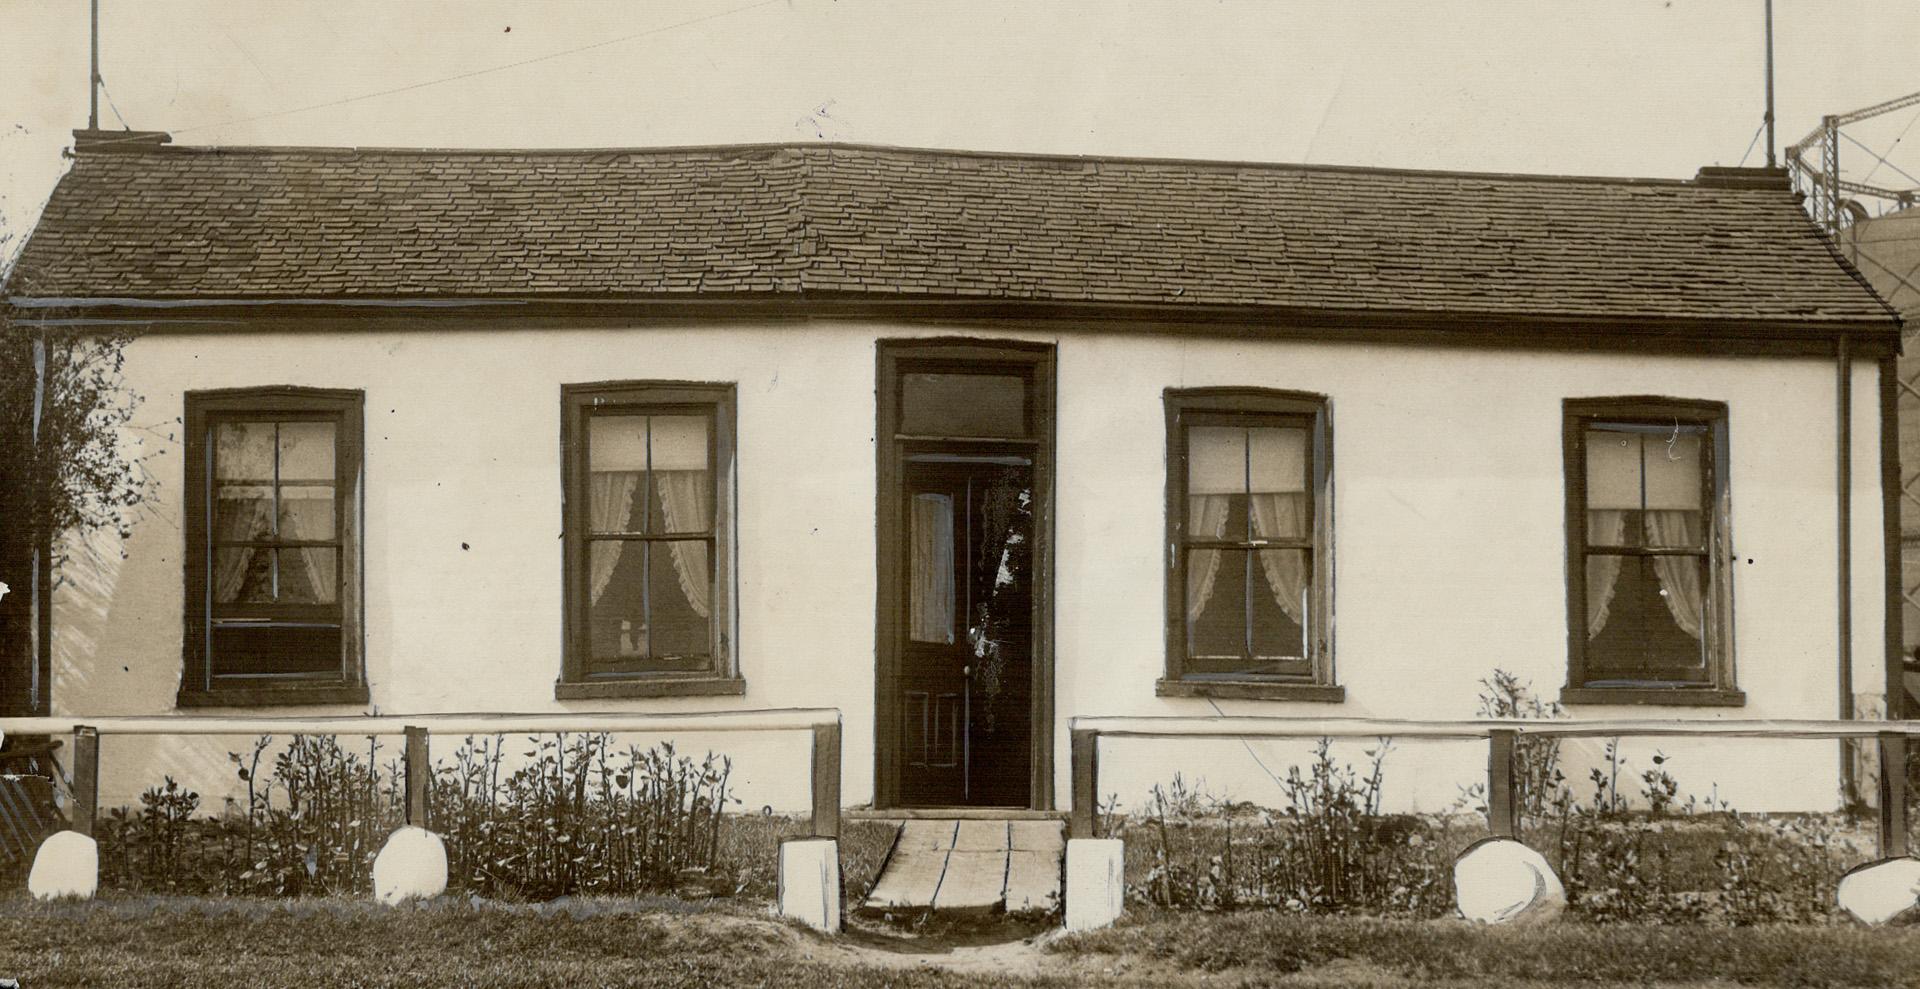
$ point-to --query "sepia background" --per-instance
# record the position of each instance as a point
(1605, 87)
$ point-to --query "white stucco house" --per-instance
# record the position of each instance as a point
(966, 445)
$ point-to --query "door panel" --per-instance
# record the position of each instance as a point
(963, 689)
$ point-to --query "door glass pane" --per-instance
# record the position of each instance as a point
(1278, 604)
(616, 602)
(930, 592)
(306, 512)
(306, 451)
(679, 598)
(990, 405)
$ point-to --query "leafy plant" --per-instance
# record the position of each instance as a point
(1328, 850)
(569, 816)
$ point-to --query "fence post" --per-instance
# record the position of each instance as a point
(419, 774)
(1893, 794)
(1086, 782)
(86, 778)
(826, 780)
(1503, 815)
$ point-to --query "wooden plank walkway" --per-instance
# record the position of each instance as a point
(972, 866)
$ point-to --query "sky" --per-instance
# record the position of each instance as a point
(1594, 87)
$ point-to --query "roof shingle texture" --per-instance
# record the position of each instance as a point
(183, 223)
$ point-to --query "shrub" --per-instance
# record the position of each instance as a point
(1629, 848)
(1329, 850)
(572, 817)
(1647, 855)
(577, 818)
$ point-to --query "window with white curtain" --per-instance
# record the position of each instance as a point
(1250, 533)
(1648, 547)
(272, 518)
(647, 524)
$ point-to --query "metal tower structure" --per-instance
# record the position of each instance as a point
(1880, 242)
(1822, 183)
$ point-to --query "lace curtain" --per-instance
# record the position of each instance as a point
(930, 611)
(685, 498)
(1275, 514)
(1649, 478)
(244, 574)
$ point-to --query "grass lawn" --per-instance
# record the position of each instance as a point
(660, 943)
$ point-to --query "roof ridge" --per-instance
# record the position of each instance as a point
(805, 148)
(826, 219)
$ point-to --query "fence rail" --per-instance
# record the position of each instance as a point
(823, 723)
(1501, 735)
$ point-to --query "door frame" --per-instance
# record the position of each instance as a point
(1035, 362)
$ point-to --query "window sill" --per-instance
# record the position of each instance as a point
(278, 695)
(1263, 690)
(653, 686)
(1655, 696)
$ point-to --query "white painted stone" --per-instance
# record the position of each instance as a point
(1501, 881)
(1881, 891)
(411, 866)
(810, 882)
(1096, 882)
(67, 866)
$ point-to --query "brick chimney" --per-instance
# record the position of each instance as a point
(95, 141)
(1723, 177)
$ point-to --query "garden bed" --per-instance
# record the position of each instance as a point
(525, 819)
(1626, 845)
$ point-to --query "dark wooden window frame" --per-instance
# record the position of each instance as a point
(1719, 690)
(721, 676)
(199, 687)
(895, 359)
(1251, 406)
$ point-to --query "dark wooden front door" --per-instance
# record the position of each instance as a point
(964, 691)
(963, 685)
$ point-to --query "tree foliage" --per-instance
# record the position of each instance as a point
(64, 403)
(65, 469)
(67, 443)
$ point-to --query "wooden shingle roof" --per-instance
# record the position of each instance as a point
(854, 221)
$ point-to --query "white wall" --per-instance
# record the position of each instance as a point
(1449, 536)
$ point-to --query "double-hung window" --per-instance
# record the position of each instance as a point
(648, 534)
(1648, 547)
(273, 561)
(1249, 528)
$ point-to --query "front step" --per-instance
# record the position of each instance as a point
(972, 867)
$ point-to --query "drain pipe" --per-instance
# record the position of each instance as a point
(1843, 483)
(1891, 548)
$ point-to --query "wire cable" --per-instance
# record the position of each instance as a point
(1896, 142)
(102, 80)
(1245, 744)
(1876, 154)
(1756, 140)
(456, 77)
